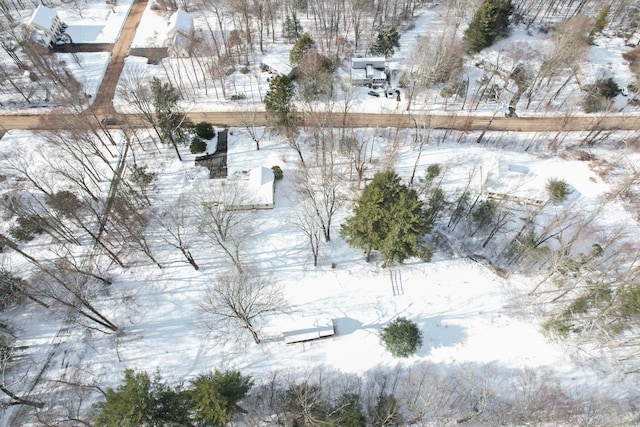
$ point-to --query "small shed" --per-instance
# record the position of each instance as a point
(180, 33)
(310, 328)
(45, 27)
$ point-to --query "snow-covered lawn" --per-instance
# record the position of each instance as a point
(466, 312)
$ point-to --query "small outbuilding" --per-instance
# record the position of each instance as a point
(45, 27)
(310, 328)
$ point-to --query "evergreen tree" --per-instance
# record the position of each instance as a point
(197, 145)
(348, 412)
(386, 411)
(388, 38)
(600, 22)
(388, 218)
(490, 21)
(10, 289)
(302, 46)
(558, 190)
(402, 337)
(170, 119)
(142, 401)
(214, 396)
(600, 94)
(484, 213)
(278, 100)
(205, 130)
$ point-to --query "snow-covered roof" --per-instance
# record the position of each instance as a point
(180, 22)
(43, 17)
(277, 64)
(309, 328)
(256, 187)
(377, 62)
(261, 185)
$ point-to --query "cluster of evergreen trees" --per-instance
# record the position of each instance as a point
(423, 394)
(490, 21)
(209, 400)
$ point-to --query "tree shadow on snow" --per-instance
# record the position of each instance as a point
(436, 334)
(347, 326)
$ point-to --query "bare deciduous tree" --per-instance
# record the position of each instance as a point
(570, 46)
(175, 226)
(307, 222)
(255, 132)
(70, 290)
(223, 219)
(355, 148)
(236, 301)
(321, 181)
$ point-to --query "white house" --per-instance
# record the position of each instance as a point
(180, 33)
(257, 187)
(45, 27)
(369, 71)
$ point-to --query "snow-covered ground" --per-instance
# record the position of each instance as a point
(95, 22)
(201, 93)
(466, 312)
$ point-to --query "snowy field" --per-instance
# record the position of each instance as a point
(467, 313)
(95, 22)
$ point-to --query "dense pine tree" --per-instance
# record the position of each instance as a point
(490, 21)
(348, 412)
(302, 46)
(278, 99)
(388, 38)
(215, 396)
(388, 218)
(291, 27)
(601, 21)
(402, 337)
(205, 130)
(142, 401)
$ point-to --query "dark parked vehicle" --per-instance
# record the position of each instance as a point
(374, 93)
(108, 121)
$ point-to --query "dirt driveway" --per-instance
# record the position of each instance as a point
(103, 103)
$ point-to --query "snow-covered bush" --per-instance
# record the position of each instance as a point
(197, 145)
